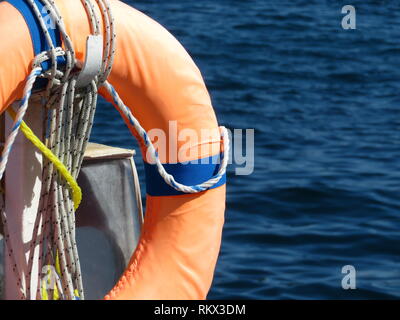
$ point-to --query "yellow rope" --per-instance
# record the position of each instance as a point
(76, 190)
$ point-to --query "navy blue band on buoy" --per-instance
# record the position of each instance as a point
(188, 174)
(38, 37)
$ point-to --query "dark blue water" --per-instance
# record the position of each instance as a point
(325, 106)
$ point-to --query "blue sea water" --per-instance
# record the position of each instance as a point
(324, 103)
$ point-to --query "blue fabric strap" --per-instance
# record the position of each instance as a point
(188, 174)
(37, 34)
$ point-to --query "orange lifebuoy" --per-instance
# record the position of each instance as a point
(160, 83)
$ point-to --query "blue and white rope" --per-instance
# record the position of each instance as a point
(169, 179)
(19, 118)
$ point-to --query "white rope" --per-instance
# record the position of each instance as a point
(169, 179)
(18, 120)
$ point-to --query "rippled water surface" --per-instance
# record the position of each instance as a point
(325, 106)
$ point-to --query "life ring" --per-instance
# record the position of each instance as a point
(160, 83)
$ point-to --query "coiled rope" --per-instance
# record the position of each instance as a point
(76, 190)
(70, 112)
